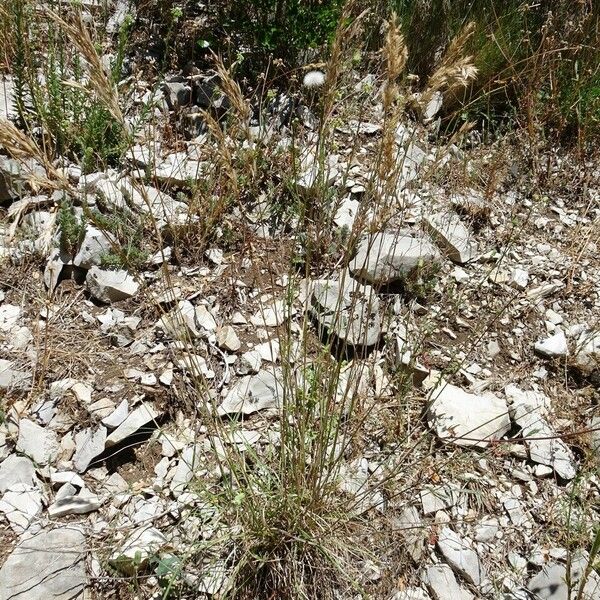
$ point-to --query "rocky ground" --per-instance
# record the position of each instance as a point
(465, 324)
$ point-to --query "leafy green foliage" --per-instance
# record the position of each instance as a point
(50, 90)
(283, 27)
(72, 229)
(127, 231)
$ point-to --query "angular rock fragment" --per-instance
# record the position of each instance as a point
(554, 582)
(139, 418)
(442, 584)
(461, 556)
(12, 377)
(111, 286)
(93, 248)
(554, 346)
(388, 257)
(75, 504)
(16, 469)
(47, 564)
(348, 310)
(529, 410)
(139, 546)
(452, 235)
(21, 503)
(253, 393)
(227, 339)
(39, 443)
(587, 353)
(89, 444)
(467, 419)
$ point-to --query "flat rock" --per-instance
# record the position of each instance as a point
(529, 410)
(21, 503)
(252, 393)
(12, 377)
(138, 547)
(93, 248)
(551, 582)
(347, 309)
(136, 420)
(48, 564)
(554, 346)
(412, 529)
(461, 556)
(9, 316)
(89, 444)
(442, 584)
(111, 286)
(16, 469)
(385, 258)
(40, 444)
(452, 235)
(467, 419)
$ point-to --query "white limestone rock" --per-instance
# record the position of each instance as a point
(387, 257)
(111, 286)
(467, 419)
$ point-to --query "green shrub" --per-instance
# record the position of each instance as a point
(283, 27)
(50, 92)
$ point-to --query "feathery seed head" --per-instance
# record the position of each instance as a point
(314, 79)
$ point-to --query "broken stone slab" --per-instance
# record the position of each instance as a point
(21, 503)
(347, 309)
(180, 323)
(529, 410)
(9, 316)
(388, 257)
(554, 582)
(89, 444)
(411, 593)
(184, 470)
(273, 314)
(453, 235)
(346, 213)
(75, 504)
(195, 365)
(413, 531)
(435, 498)
(461, 556)
(94, 247)
(587, 353)
(37, 442)
(16, 469)
(253, 393)
(142, 543)
(12, 377)
(178, 169)
(227, 339)
(442, 584)
(47, 564)
(136, 420)
(467, 419)
(554, 346)
(164, 209)
(111, 286)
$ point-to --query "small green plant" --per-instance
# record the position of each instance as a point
(72, 228)
(50, 76)
(126, 230)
